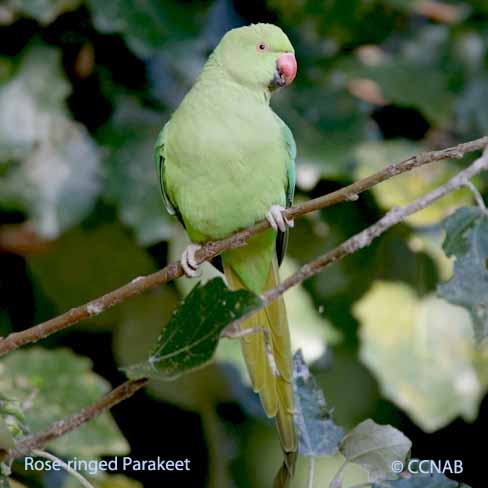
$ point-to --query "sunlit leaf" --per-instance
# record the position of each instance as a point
(375, 447)
(57, 383)
(261, 445)
(421, 481)
(403, 189)
(6, 438)
(467, 240)
(423, 357)
(318, 435)
(45, 11)
(191, 336)
(54, 178)
(16, 484)
(103, 480)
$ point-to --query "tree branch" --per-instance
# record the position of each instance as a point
(351, 245)
(68, 424)
(212, 249)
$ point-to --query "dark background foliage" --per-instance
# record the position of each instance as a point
(85, 86)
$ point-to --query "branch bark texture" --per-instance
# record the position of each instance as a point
(212, 249)
(350, 246)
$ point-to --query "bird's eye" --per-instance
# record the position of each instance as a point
(261, 46)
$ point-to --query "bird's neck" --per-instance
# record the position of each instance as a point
(216, 75)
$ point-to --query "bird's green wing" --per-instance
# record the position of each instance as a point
(282, 240)
(159, 160)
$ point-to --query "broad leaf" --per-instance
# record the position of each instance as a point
(190, 338)
(104, 480)
(401, 85)
(318, 435)
(375, 447)
(53, 175)
(99, 259)
(146, 25)
(12, 415)
(310, 330)
(403, 189)
(58, 383)
(44, 11)
(470, 119)
(421, 481)
(424, 358)
(6, 438)
(132, 181)
(138, 329)
(467, 240)
(326, 140)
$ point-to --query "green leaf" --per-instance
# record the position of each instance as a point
(53, 176)
(190, 338)
(58, 383)
(147, 25)
(44, 11)
(470, 119)
(375, 447)
(103, 480)
(310, 330)
(132, 182)
(106, 252)
(424, 357)
(326, 133)
(6, 438)
(318, 435)
(12, 415)
(138, 329)
(422, 481)
(467, 240)
(402, 85)
(4, 482)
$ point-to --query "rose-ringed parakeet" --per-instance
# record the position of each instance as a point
(225, 161)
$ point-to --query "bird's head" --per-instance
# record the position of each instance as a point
(260, 56)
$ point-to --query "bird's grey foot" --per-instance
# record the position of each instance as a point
(277, 220)
(188, 260)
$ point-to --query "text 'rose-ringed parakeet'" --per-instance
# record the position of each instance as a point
(226, 161)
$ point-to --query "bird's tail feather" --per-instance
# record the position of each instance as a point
(276, 392)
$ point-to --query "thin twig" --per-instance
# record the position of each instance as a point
(336, 481)
(239, 239)
(366, 236)
(64, 426)
(238, 333)
(311, 471)
(353, 244)
(84, 482)
(476, 194)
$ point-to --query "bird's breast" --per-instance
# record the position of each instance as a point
(226, 169)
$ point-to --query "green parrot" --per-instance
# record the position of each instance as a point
(225, 161)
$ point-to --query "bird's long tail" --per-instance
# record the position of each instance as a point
(276, 392)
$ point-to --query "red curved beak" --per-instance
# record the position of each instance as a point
(287, 67)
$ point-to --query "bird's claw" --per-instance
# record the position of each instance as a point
(188, 260)
(277, 220)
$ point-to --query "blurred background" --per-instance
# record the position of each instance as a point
(85, 87)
